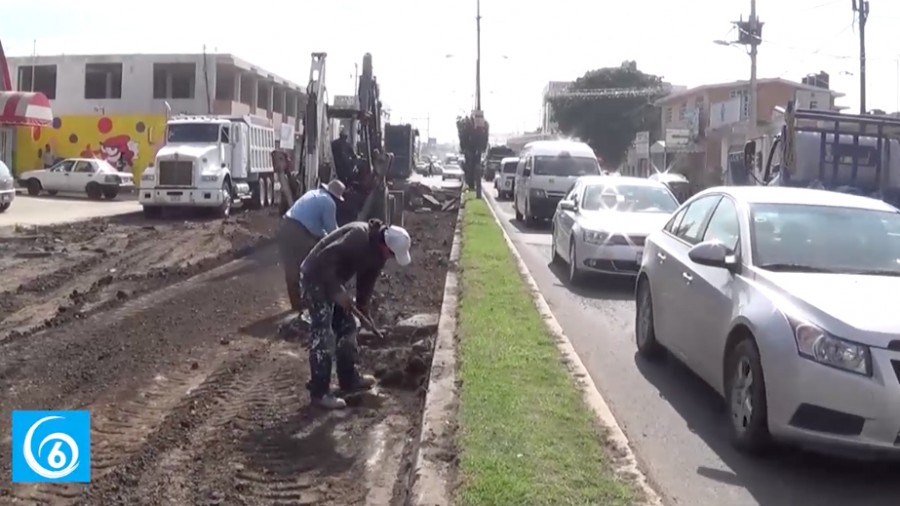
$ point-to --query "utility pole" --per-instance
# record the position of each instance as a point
(751, 35)
(861, 9)
(478, 56)
(480, 114)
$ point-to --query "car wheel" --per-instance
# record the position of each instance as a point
(4, 206)
(554, 255)
(110, 193)
(644, 328)
(519, 216)
(575, 273)
(530, 221)
(745, 395)
(34, 187)
(94, 192)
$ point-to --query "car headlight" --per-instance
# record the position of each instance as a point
(111, 178)
(595, 237)
(209, 178)
(148, 177)
(538, 193)
(817, 345)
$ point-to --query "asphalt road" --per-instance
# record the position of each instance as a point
(47, 210)
(675, 422)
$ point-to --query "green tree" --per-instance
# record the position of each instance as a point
(607, 107)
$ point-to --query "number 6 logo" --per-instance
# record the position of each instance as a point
(56, 459)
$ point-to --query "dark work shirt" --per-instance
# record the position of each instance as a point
(351, 250)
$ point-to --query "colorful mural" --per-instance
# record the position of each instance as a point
(128, 143)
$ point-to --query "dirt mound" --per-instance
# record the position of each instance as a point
(60, 273)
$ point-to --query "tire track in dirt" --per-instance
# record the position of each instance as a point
(120, 429)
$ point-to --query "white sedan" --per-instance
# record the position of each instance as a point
(452, 171)
(7, 189)
(96, 178)
(601, 225)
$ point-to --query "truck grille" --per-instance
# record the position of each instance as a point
(172, 173)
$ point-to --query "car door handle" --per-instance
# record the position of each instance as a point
(687, 277)
(661, 256)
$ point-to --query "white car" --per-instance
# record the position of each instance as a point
(601, 224)
(96, 178)
(7, 187)
(452, 171)
(782, 300)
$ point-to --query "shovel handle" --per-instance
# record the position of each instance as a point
(366, 321)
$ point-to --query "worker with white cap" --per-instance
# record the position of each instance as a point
(311, 218)
(358, 249)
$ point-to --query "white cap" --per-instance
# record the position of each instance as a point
(398, 241)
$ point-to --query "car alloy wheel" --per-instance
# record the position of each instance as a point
(574, 272)
(745, 392)
(645, 331)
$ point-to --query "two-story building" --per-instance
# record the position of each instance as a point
(115, 106)
(703, 125)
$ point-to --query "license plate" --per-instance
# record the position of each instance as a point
(175, 198)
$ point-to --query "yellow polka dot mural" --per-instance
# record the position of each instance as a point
(128, 143)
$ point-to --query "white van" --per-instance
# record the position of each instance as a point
(506, 177)
(545, 174)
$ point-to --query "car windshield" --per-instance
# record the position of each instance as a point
(194, 132)
(565, 166)
(812, 238)
(510, 167)
(4, 170)
(628, 198)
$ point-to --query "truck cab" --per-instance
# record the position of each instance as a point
(848, 153)
(211, 162)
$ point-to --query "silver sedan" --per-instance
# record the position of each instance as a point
(600, 226)
(784, 301)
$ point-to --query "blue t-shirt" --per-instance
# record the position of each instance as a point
(316, 211)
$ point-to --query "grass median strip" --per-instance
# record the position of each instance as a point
(526, 437)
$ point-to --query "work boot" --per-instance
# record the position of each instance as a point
(361, 383)
(329, 401)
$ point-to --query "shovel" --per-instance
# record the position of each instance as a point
(366, 321)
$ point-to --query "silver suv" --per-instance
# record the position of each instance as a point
(7, 187)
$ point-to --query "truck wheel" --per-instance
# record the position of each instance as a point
(34, 187)
(257, 195)
(270, 190)
(224, 210)
(94, 192)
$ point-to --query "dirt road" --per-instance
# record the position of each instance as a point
(194, 399)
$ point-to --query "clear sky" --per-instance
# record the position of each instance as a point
(524, 44)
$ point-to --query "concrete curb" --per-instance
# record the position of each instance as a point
(431, 482)
(624, 462)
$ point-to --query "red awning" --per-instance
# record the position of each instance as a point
(21, 108)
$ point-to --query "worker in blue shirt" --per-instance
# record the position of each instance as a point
(311, 218)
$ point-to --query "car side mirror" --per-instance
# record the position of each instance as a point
(526, 173)
(568, 205)
(713, 254)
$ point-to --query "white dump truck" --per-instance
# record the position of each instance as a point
(212, 162)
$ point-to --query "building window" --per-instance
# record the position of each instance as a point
(102, 80)
(174, 80)
(668, 115)
(682, 112)
(38, 78)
